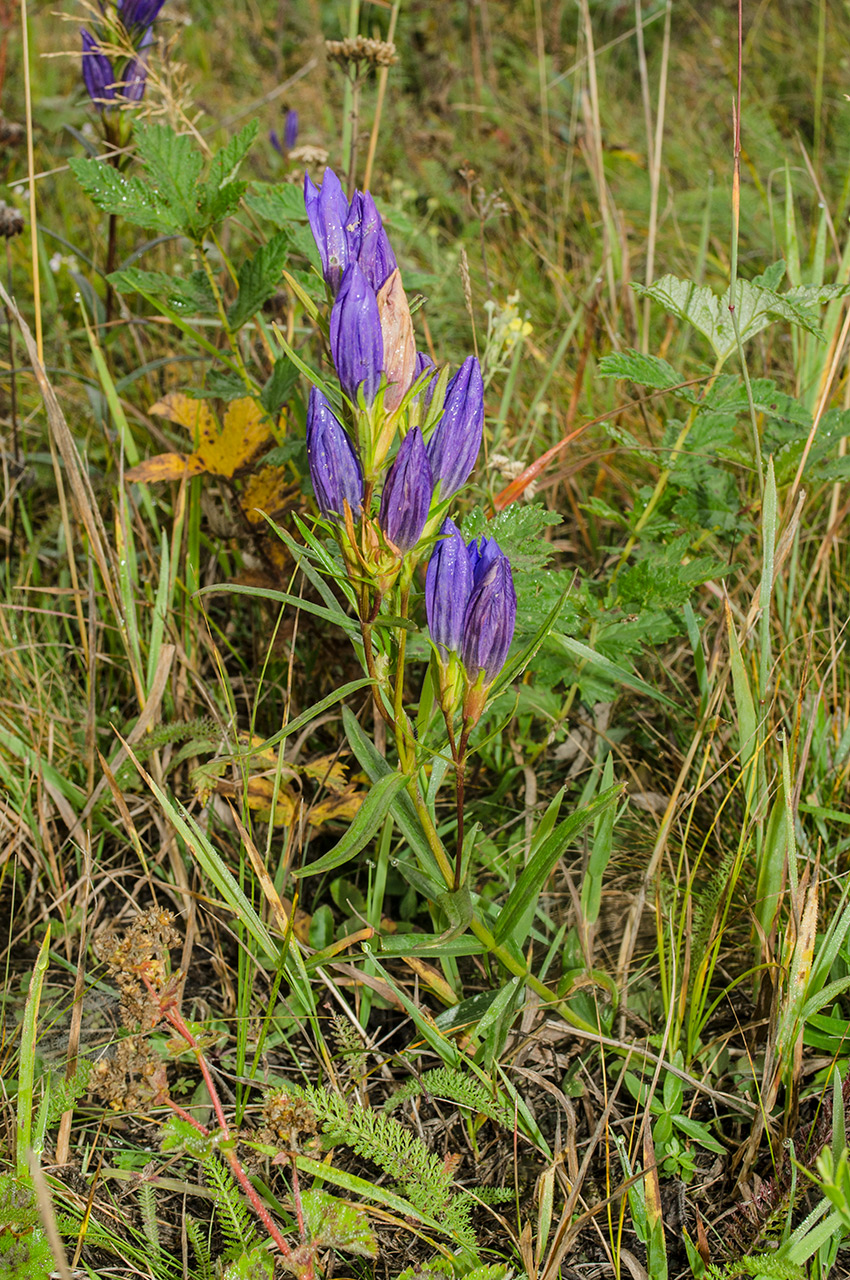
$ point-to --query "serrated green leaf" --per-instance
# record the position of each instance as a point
(281, 204)
(189, 296)
(173, 163)
(519, 532)
(258, 278)
(277, 389)
(756, 307)
(225, 165)
(646, 371)
(364, 828)
(129, 197)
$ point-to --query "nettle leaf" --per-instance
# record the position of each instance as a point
(189, 296)
(756, 307)
(665, 578)
(173, 164)
(278, 388)
(281, 204)
(518, 531)
(219, 385)
(129, 197)
(171, 196)
(646, 371)
(258, 278)
(221, 191)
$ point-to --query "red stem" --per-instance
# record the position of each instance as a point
(169, 1012)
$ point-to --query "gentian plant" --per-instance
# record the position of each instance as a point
(386, 464)
(115, 61)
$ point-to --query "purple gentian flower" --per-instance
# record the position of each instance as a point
(407, 493)
(357, 343)
(327, 213)
(481, 556)
(139, 13)
(290, 134)
(98, 75)
(135, 78)
(334, 466)
(488, 626)
(367, 240)
(448, 586)
(454, 446)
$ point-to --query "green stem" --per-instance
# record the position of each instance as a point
(348, 91)
(222, 315)
(460, 779)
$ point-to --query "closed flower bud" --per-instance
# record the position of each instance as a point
(407, 494)
(136, 14)
(481, 556)
(488, 626)
(327, 213)
(399, 343)
(448, 586)
(357, 344)
(290, 129)
(368, 244)
(135, 78)
(98, 76)
(454, 445)
(334, 466)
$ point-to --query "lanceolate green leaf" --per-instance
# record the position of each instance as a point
(364, 828)
(515, 918)
(401, 808)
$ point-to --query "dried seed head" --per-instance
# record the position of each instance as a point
(289, 1119)
(361, 50)
(11, 220)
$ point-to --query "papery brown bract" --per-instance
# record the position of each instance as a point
(399, 345)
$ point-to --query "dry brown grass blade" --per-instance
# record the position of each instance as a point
(48, 1217)
(146, 721)
(79, 481)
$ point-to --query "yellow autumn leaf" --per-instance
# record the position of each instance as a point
(224, 449)
(244, 433)
(328, 771)
(266, 491)
(165, 466)
(341, 805)
(195, 415)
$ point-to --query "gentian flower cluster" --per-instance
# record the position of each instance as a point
(107, 82)
(470, 602)
(397, 402)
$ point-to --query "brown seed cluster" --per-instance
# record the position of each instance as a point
(142, 949)
(134, 1075)
(290, 1121)
(132, 1078)
(359, 50)
(11, 221)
